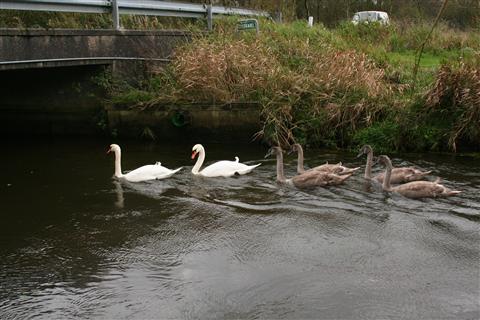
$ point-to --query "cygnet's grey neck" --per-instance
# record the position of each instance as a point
(368, 167)
(280, 174)
(300, 167)
(388, 174)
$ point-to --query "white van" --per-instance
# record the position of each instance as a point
(371, 16)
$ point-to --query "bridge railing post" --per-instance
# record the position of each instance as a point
(115, 15)
(209, 17)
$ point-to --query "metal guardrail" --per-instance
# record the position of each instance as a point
(139, 7)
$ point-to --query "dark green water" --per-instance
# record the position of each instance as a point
(76, 244)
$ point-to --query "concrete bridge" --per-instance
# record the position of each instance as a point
(25, 49)
(21, 49)
(48, 86)
(51, 80)
(48, 78)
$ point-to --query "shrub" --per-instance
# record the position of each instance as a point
(382, 136)
(234, 71)
(456, 96)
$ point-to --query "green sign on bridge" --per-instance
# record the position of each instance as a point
(248, 24)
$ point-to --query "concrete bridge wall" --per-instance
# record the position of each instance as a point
(21, 45)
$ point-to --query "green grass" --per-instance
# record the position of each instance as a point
(408, 59)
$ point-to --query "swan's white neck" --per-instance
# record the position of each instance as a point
(118, 166)
(280, 174)
(368, 167)
(300, 167)
(199, 163)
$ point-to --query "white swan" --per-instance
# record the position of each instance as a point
(148, 172)
(222, 168)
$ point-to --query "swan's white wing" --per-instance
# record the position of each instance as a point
(226, 168)
(149, 172)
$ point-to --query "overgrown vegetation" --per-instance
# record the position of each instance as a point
(456, 96)
(338, 88)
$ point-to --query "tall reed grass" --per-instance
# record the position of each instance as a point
(298, 81)
(456, 96)
(318, 86)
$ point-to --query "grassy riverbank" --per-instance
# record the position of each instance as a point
(334, 87)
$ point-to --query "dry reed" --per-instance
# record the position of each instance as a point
(341, 85)
(457, 91)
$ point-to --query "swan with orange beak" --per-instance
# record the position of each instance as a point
(144, 173)
(224, 168)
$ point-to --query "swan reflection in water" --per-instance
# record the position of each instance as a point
(120, 203)
(152, 190)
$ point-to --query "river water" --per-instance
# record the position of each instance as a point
(77, 244)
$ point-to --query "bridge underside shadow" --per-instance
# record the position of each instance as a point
(52, 101)
(72, 101)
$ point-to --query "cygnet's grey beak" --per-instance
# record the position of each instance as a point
(360, 154)
(376, 160)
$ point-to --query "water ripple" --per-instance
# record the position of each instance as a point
(243, 247)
